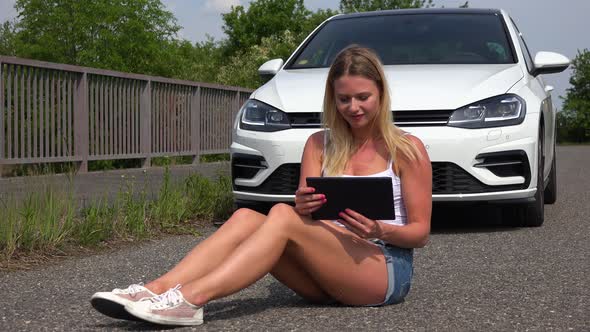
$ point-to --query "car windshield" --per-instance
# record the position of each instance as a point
(404, 39)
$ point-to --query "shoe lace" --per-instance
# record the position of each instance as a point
(134, 288)
(165, 300)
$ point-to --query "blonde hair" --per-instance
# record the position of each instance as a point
(363, 62)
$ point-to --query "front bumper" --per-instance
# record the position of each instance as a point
(462, 160)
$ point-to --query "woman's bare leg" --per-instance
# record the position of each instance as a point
(348, 268)
(211, 252)
(208, 254)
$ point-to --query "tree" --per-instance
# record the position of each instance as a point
(200, 62)
(126, 35)
(269, 29)
(315, 19)
(353, 6)
(7, 39)
(576, 106)
(264, 18)
(242, 68)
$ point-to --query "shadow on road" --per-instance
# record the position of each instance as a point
(130, 326)
(278, 296)
(468, 218)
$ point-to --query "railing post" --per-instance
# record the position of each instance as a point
(145, 124)
(237, 101)
(196, 125)
(81, 134)
(233, 114)
(2, 137)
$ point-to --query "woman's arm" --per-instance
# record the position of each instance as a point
(311, 165)
(416, 186)
(311, 160)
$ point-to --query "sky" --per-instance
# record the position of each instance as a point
(547, 25)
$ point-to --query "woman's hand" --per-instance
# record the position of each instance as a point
(360, 225)
(306, 201)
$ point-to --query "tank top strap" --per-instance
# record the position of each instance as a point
(324, 151)
(325, 140)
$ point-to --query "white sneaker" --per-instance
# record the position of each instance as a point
(170, 308)
(113, 303)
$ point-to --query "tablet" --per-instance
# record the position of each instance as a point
(370, 196)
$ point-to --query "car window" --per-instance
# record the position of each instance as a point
(525, 50)
(412, 39)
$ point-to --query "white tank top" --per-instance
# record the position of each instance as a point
(401, 217)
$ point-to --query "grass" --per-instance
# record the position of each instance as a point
(184, 160)
(96, 226)
(50, 221)
(40, 223)
(105, 165)
(210, 158)
(38, 169)
(572, 143)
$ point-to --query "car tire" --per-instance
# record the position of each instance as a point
(551, 188)
(532, 214)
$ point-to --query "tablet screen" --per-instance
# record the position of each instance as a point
(370, 196)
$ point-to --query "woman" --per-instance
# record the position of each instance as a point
(366, 262)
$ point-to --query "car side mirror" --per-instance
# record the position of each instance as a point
(550, 63)
(270, 68)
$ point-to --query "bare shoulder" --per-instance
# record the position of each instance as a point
(316, 140)
(311, 161)
(418, 143)
(422, 161)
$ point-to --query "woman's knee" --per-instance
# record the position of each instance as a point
(244, 216)
(285, 214)
(282, 210)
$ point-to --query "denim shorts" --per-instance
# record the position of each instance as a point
(400, 269)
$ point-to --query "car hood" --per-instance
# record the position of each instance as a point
(413, 87)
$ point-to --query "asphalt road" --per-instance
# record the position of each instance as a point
(474, 275)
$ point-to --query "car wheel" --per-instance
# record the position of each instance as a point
(551, 189)
(533, 213)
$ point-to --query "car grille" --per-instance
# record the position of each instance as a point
(283, 181)
(246, 166)
(447, 178)
(305, 120)
(506, 163)
(401, 119)
(421, 118)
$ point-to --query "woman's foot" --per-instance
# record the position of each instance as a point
(113, 303)
(170, 308)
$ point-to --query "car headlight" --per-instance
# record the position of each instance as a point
(504, 110)
(258, 116)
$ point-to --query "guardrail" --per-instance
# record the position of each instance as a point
(53, 112)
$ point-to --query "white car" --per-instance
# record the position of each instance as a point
(462, 80)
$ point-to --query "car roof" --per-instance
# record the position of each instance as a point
(476, 11)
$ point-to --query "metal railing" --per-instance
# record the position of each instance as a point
(62, 113)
